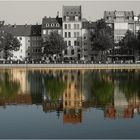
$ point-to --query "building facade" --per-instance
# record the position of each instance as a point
(120, 21)
(72, 31)
(51, 25)
(29, 37)
(88, 28)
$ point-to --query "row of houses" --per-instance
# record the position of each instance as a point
(75, 30)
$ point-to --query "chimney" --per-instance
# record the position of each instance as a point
(57, 14)
(14, 26)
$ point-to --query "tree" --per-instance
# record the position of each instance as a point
(8, 43)
(138, 37)
(103, 37)
(53, 44)
(130, 41)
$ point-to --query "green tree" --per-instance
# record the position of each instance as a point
(8, 43)
(130, 41)
(53, 44)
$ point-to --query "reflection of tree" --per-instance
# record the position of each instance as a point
(128, 83)
(8, 88)
(36, 86)
(55, 86)
(99, 88)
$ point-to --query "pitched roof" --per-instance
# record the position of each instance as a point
(22, 30)
(57, 23)
(71, 10)
(118, 13)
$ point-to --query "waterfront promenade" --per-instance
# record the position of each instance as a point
(72, 66)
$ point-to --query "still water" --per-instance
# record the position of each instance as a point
(69, 103)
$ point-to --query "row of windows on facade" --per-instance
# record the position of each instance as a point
(76, 43)
(69, 26)
(68, 34)
(118, 38)
(72, 52)
(32, 38)
(120, 18)
(52, 25)
(47, 32)
(76, 103)
(76, 18)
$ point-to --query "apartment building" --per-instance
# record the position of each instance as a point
(72, 31)
(30, 40)
(88, 28)
(120, 21)
(51, 25)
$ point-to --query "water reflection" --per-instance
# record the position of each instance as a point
(70, 92)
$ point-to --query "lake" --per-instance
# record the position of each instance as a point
(45, 103)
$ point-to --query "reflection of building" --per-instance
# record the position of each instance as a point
(73, 97)
(72, 116)
(20, 76)
(122, 107)
(17, 99)
(72, 25)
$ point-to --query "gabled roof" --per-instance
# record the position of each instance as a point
(57, 23)
(22, 30)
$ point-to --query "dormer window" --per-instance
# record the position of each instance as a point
(47, 25)
(52, 24)
(57, 25)
(76, 18)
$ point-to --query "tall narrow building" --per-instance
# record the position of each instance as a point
(72, 31)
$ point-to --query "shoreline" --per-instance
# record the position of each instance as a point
(72, 66)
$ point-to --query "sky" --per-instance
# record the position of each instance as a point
(32, 12)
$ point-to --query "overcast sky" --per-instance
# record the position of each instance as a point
(30, 12)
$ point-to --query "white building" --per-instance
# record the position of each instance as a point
(72, 31)
(120, 21)
(29, 37)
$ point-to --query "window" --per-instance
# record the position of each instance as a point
(65, 26)
(44, 32)
(78, 43)
(65, 34)
(74, 34)
(77, 34)
(69, 26)
(20, 38)
(77, 26)
(69, 43)
(52, 24)
(57, 25)
(75, 43)
(72, 52)
(69, 34)
(74, 26)
(65, 52)
(47, 25)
